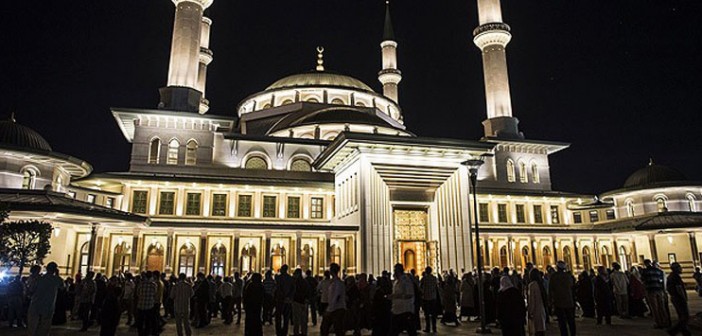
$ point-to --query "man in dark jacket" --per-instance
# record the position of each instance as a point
(653, 279)
(678, 296)
(283, 297)
(202, 300)
(560, 292)
(312, 282)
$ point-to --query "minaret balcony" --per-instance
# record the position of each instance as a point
(491, 26)
(206, 56)
(492, 37)
(204, 3)
(390, 76)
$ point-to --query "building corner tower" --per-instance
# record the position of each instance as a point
(492, 37)
(389, 76)
(189, 58)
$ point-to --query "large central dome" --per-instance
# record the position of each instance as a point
(319, 79)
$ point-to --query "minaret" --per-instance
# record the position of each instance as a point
(492, 36)
(390, 76)
(183, 91)
(206, 57)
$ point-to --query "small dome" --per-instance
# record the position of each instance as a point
(653, 174)
(319, 78)
(16, 135)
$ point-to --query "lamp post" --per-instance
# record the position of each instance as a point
(473, 167)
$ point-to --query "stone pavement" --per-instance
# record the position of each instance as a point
(586, 327)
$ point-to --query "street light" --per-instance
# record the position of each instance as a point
(473, 167)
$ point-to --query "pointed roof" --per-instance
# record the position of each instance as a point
(388, 32)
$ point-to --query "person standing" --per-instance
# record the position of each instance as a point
(312, 284)
(468, 297)
(698, 281)
(253, 302)
(87, 297)
(620, 289)
(653, 279)
(202, 300)
(678, 296)
(43, 301)
(584, 294)
(145, 302)
(402, 303)
(237, 292)
(110, 311)
(536, 302)
(181, 293)
(323, 292)
(603, 296)
(560, 291)
(268, 303)
(299, 304)
(128, 297)
(283, 297)
(336, 307)
(225, 291)
(510, 308)
(429, 288)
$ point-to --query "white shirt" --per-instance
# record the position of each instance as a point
(402, 296)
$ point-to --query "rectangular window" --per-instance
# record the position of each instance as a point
(166, 204)
(594, 216)
(484, 212)
(577, 217)
(502, 213)
(139, 199)
(244, 209)
(521, 217)
(192, 206)
(293, 207)
(317, 211)
(269, 206)
(219, 204)
(555, 214)
(610, 214)
(538, 214)
(90, 198)
(110, 202)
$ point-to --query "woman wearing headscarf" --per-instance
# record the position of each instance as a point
(583, 293)
(536, 302)
(637, 293)
(510, 308)
(448, 298)
(468, 296)
(603, 296)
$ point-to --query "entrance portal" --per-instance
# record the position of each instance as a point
(411, 239)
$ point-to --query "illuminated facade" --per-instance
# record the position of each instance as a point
(319, 168)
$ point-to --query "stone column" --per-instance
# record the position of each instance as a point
(555, 244)
(576, 248)
(298, 249)
(267, 252)
(169, 251)
(203, 253)
(654, 250)
(136, 252)
(694, 250)
(235, 254)
(91, 246)
(532, 244)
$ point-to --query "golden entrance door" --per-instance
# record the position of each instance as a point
(411, 237)
(413, 255)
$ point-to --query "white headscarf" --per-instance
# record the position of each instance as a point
(505, 283)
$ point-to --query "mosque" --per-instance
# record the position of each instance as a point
(319, 168)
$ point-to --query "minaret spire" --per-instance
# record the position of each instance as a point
(492, 37)
(389, 76)
(185, 82)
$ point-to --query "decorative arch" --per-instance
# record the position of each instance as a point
(523, 172)
(266, 106)
(624, 258)
(191, 152)
(173, 148)
(154, 150)
(335, 255)
(307, 255)
(604, 256)
(546, 256)
(691, 199)
(300, 163)
(337, 101)
(84, 259)
(257, 160)
(535, 177)
(504, 259)
(218, 259)
(567, 257)
(186, 260)
(122, 260)
(29, 177)
(661, 202)
(312, 99)
(525, 256)
(630, 208)
(330, 135)
(511, 175)
(279, 257)
(154, 257)
(587, 258)
(248, 259)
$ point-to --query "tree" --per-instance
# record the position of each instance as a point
(23, 242)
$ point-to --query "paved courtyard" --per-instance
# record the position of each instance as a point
(619, 327)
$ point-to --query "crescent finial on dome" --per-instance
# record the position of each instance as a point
(320, 58)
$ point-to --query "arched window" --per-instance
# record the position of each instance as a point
(624, 258)
(535, 173)
(335, 255)
(307, 255)
(523, 175)
(504, 260)
(256, 162)
(122, 259)
(191, 153)
(567, 257)
(154, 257)
(337, 101)
(186, 259)
(173, 147)
(587, 261)
(510, 171)
(360, 104)
(547, 256)
(218, 258)
(300, 165)
(278, 257)
(525, 256)
(248, 259)
(661, 204)
(29, 179)
(154, 150)
(266, 106)
(691, 202)
(84, 258)
(630, 208)
(604, 257)
(312, 100)
(286, 102)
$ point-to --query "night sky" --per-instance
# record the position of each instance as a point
(620, 80)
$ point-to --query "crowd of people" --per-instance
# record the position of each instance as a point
(388, 304)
